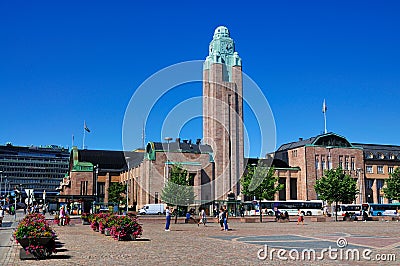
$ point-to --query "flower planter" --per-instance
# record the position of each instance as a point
(120, 227)
(40, 248)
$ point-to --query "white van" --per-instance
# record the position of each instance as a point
(153, 209)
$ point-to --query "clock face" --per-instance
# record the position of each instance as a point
(211, 48)
(229, 48)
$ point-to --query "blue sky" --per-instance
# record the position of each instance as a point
(62, 63)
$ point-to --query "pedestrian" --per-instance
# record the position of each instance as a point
(241, 211)
(215, 212)
(221, 217)
(226, 219)
(203, 217)
(364, 216)
(277, 214)
(1, 216)
(62, 215)
(167, 218)
(301, 217)
(187, 217)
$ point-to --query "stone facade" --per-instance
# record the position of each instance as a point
(147, 179)
(368, 164)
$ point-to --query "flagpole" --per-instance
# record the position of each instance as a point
(143, 135)
(84, 134)
(324, 109)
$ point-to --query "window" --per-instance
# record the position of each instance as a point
(84, 187)
(380, 169)
(322, 163)
(346, 163)
(391, 156)
(381, 156)
(390, 169)
(329, 162)
(369, 169)
(353, 165)
(370, 155)
(294, 153)
(341, 161)
(316, 162)
(155, 197)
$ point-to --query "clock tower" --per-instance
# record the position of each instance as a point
(223, 112)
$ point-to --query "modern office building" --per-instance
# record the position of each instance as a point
(31, 167)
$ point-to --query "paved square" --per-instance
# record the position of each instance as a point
(188, 244)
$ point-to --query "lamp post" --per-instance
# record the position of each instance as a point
(254, 166)
(1, 180)
(5, 189)
(20, 194)
(168, 139)
(94, 191)
(360, 186)
(127, 184)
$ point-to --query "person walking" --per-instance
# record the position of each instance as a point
(167, 218)
(221, 217)
(203, 217)
(62, 215)
(226, 219)
(301, 217)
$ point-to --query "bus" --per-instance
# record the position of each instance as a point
(351, 209)
(376, 209)
(268, 207)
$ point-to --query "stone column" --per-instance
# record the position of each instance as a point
(375, 191)
(106, 186)
(288, 185)
(131, 187)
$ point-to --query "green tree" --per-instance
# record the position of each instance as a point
(259, 182)
(115, 192)
(336, 186)
(392, 189)
(178, 190)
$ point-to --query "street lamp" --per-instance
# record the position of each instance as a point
(127, 184)
(1, 180)
(361, 185)
(168, 139)
(254, 166)
(94, 190)
(5, 189)
(20, 194)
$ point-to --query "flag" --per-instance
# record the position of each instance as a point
(324, 107)
(85, 126)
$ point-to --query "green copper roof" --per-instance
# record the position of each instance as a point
(222, 50)
(82, 167)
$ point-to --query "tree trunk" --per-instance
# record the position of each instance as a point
(176, 214)
(336, 211)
